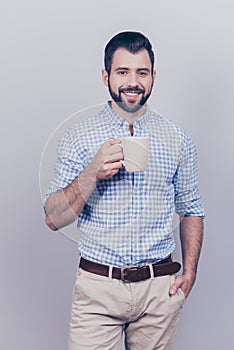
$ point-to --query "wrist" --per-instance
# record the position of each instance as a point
(91, 172)
(189, 274)
(94, 171)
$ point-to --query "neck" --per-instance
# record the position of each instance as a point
(130, 117)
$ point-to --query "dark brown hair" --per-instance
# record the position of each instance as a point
(131, 41)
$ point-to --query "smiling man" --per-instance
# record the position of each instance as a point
(130, 80)
(126, 279)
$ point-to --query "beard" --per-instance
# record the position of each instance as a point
(131, 106)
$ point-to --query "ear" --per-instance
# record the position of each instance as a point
(154, 74)
(105, 77)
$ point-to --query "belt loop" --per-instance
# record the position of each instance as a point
(151, 271)
(110, 272)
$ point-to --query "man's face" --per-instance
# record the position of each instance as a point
(131, 80)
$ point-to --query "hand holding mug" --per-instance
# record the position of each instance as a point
(107, 161)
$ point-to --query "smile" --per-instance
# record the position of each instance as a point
(131, 93)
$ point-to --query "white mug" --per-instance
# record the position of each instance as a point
(136, 153)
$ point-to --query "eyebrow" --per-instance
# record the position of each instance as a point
(121, 68)
(138, 69)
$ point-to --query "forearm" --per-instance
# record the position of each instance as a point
(191, 236)
(64, 206)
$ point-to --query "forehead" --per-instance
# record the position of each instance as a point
(126, 59)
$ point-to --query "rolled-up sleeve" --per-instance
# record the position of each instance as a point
(187, 196)
(70, 162)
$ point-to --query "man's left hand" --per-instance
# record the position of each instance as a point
(185, 282)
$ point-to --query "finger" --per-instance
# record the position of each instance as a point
(112, 166)
(115, 148)
(116, 157)
(115, 171)
(117, 165)
(112, 141)
(177, 284)
(111, 169)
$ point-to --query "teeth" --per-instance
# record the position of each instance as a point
(131, 93)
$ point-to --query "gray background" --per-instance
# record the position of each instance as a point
(51, 57)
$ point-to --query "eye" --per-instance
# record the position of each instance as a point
(122, 72)
(143, 74)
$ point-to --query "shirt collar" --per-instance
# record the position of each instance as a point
(114, 119)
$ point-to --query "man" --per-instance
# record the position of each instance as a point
(126, 278)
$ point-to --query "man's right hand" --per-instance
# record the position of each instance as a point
(107, 160)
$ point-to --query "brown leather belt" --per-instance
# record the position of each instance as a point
(132, 273)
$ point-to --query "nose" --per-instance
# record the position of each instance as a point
(132, 79)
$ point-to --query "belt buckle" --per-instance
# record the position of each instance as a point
(124, 271)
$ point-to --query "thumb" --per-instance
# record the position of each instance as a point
(112, 141)
(177, 284)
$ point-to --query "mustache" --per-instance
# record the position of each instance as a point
(131, 89)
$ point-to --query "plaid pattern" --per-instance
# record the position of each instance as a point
(127, 220)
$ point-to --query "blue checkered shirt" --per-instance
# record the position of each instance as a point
(128, 219)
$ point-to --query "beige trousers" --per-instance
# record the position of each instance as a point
(104, 308)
